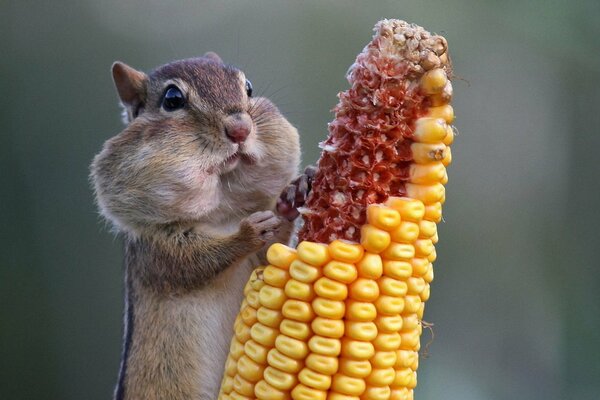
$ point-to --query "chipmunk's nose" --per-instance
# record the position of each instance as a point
(237, 127)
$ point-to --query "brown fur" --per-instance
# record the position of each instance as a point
(194, 227)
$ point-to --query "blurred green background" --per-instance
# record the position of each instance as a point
(515, 302)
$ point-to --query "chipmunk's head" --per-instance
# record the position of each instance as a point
(196, 143)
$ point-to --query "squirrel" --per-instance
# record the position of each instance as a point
(198, 184)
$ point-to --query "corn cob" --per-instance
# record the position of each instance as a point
(339, 317)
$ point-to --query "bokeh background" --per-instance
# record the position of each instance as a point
(515, 302)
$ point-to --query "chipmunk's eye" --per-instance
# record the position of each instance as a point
(248, 88)
(173, 99)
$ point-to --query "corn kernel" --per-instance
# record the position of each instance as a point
(428, 194)
(324, 345)
(389, 305)
(384, 359)
(397, 269)
(426, 293)
(315, 254)
(406, 232)
(333, 309)
(236, 349)
(297, 310)
(387, 341)
(399, 251)
(449, 136)
(423, 247)
(421, 309)
(243, 387)
(302, 392)
(348, 385)
(402, 378)
(264, 391)
(412, 303)
(420, 266)
(326, 365)
(370, 266)
(383, 217)
(409, 209)
(253, 299)
(446, 112)
(242, 332)
(360, 311)
(333, 328)
(373, 239)
(413, 381)
(281, 255)
(428, 276)
(299, 290)
(427, 174)
(230, 367)
(405, 358)
(410, 322)
(364, 290)
(389, 323)
(427, 229)
(304, 272)
(433, 255)
(256, 352)
(345, 251)
(429, 130)
(415, 285)
(447, 157)
(433, 212)
(314, 379)
(376, 393)
(258, 283)
(410, 340)
(330, 289)
(339, 396)
(434, 81)
(249, 370)
(278, 379)
(263, 334)
(392, 287)
(442, 98)
(425, 153)
(381, 377)
(271, 297)
(357, 349)
(248, 315)
(284, 363)
(275, 276)
(355, 368)
(400, 393)
(269, 317)
(227, 384)
(236, 396)
(294, 348)
(295, 329)
(340, 271)
(358, 330)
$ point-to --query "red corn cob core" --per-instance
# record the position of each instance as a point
(367, 154)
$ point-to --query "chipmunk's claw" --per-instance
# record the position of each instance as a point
(295, 194)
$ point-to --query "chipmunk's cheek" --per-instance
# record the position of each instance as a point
(201, 196)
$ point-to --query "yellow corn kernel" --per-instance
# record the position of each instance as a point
(284, 363)
(281, 255)
(428, 194)
(243, 387)
(435, 238)
(444, 179)
(403, 377)
(348, 385)
(333, 328)
(358, 330)
(271, 297)
(364, 290)
(242, 332)
(387, 341)
(345, 251)
(409, 209)
(446, 112)
(397, 269)
(427, 174)
(384, 359)
(314, 379)
(442, 98)
(324, 345)
(429, 130)
(389, 323)
(420, 266)
(399, 251)
(389, 305)
(315, 254)
(405, 358)
(256, 352)
(426, 293)
(373, 239)
(227, 384)
(447, 159)
(425, 153)
(427, 229)
(297, 310)
(253, 299)
(263, 334)
(248, 315)
(428, 276)
(409, 340)
(376, 393)
(330, 289)
(360, 311)
(236, 349)
(339, 396)
(295, 329)
(264, 391)
(413, 381)
(407, 232)
(423, 247)
(370, 266)
(355, 368)
(401, 393)
(230, 367)
(433, 255)
(275, 276)
(249, 370)
(269, 317)
(433, 81)
(299, 290)
(326, 365)
(392, 287)
(327, 308)
(410, 322)
(383, 217)
(381, 377)
(449, 136)
(420, 312)
(357, 349)
(340, 271)
(258, 283)
(412, 303)
(302, 392)
(294, 348)
(304, 272)
(415, 285)
(278, 379)
(236, 396)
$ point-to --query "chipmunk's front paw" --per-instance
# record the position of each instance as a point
(295, 194)
(261, 227)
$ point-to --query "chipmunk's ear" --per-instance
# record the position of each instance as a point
(131, 87)
(213, 56)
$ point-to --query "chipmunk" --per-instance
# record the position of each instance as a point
(198, 185)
